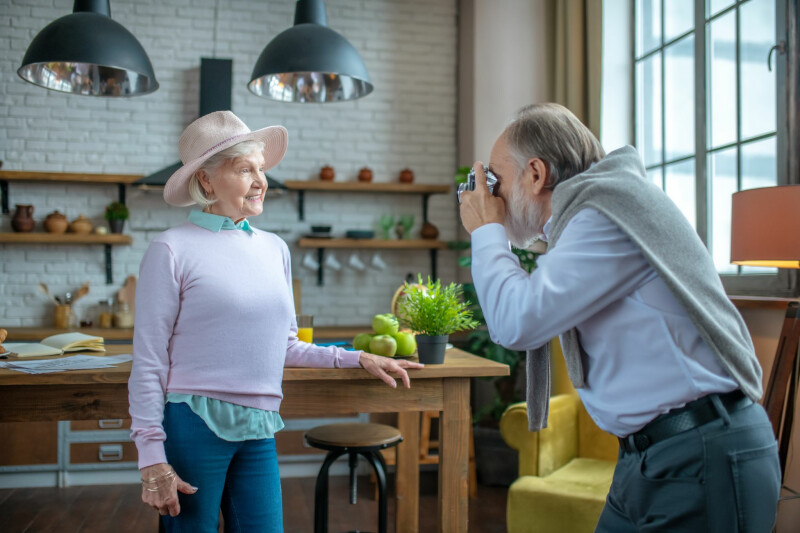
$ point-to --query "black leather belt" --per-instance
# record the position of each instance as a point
(693, 414)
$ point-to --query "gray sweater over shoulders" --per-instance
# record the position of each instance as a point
(617, 186)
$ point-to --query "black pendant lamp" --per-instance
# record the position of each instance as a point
(88, 53)
(310, 62)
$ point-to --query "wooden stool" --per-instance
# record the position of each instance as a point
(353, 439)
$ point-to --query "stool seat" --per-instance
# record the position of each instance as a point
(353, 436)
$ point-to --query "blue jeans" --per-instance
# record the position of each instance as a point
(240, 478)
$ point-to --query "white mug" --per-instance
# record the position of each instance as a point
(332, 263)
(355, 263)
(309, 262)
(377, 262)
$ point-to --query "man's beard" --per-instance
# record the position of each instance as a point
(524, 218)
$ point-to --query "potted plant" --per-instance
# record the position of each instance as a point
(116, 214)
(433, 312)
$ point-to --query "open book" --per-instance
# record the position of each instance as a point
(57, 345)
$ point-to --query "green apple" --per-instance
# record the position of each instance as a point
(385, 324)
(406, 343)
(361, 342)
(383, 345)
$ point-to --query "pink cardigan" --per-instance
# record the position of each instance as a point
(214, 317)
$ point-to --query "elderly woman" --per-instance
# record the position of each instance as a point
(215, 326)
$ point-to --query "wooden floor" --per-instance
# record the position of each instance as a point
(118, 508)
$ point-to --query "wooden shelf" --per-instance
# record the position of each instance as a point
(368, 187)
(64, 238)
(382, 244)
(359, 186)
(68, 177)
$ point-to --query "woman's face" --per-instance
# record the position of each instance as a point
(238, 185)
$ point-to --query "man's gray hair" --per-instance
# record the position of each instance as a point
(196, 191)
(552, 133)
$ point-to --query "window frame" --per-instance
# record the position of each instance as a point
(785, 283)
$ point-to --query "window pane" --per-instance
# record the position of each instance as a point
(722, 80)
(648, 25)
(679, 98)
(722, 172)
(757, 35)
(715, 6)
(759, 164)
(648, 109)
(678, 17)
(679, 185)
(655, 175)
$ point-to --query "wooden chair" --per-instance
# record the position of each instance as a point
(429, 451)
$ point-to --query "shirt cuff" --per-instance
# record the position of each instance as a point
(349, 359)
(151, 452)
(488, 235)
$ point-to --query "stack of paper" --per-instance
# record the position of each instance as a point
(73, 362)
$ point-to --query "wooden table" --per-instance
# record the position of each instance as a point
(103, 393)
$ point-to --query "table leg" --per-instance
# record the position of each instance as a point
(454, 457)
(407, 473)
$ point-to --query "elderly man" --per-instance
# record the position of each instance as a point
(658, 354)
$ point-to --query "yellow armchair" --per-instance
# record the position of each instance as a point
(565, 470)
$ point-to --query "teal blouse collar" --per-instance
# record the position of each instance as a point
(216, 223)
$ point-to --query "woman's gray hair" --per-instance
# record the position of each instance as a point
(552, 133)
(196, 191)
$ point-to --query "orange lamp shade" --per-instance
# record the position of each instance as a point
(765, 227)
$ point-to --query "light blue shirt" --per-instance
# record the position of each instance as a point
(643, 355)
(228, 421)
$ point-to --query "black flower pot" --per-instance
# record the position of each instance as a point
(431, 349)
(116, 225)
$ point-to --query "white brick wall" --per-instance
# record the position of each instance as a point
(409, 47)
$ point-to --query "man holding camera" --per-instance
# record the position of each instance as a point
(657, 352)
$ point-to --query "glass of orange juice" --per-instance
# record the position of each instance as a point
(305, 328)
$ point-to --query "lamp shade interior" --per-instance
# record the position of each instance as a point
(90, 54)
(310, 62)
(765, 227)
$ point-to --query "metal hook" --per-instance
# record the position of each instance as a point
(780, 47)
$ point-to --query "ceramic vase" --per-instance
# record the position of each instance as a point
(23, 218)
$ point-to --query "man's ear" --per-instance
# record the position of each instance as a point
(540, 174)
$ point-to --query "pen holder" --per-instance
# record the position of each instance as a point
(62, 314)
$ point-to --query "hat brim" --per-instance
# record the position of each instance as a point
(275, 139)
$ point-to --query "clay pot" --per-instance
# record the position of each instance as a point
(429, 231)
(81, 225)
(23, 218)
(365, 174)
(327, 173)
(406, 176)
(55, 223)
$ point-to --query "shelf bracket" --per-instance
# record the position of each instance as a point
(109, 275)
(425, 198)
(121, 192)
(433, 262)
(320, 258)
(4, 195)
(301, 205)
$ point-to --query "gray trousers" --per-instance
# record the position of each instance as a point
(721, 477)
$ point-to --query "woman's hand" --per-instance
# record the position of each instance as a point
(380, 367)
(160, 486)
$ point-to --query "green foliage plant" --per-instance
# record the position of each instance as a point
(117, 211)
(433, 309)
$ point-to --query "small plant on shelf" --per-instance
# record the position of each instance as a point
(116, 214)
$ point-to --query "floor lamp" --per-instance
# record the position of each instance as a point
(764, 232)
